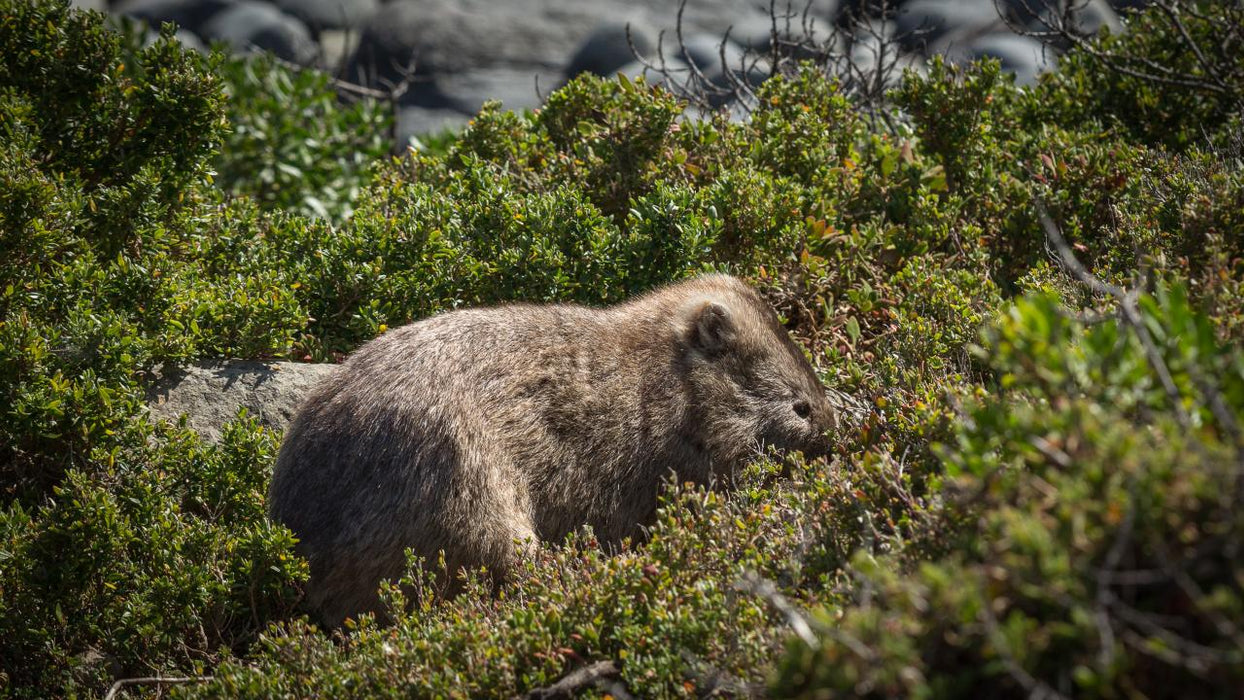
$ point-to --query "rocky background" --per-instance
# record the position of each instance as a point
(441, 59)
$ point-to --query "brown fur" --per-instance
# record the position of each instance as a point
(474, 431)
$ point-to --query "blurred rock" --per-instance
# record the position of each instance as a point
(607, 48)
(1024, 56)
(335, 48)
(188, 14)
(414, 122)
(190, 40)
(924, 23)
(330, 14)
(1086, 16)
(250, 25)
(100, 5)
(515, 88)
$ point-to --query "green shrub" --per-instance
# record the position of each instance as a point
(1097, 555)
(1175, 79)
(973, 504)
(291, 146)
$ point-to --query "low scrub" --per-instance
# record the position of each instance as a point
(1034, 292)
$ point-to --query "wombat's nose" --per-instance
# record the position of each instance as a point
(825, 418)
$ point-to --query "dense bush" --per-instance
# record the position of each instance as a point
(1049, 506)
(290, 145)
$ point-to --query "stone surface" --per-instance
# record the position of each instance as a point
(1026, 57)
(515, 88)
(190, 40)
(100, 5)
(336, 45)
(211, 394)
(250, 25)
(607, 48)
(1087, 16)
(705, 52)
(455, 54)
(330, 14)
(924, 23)
(189, 14)
(413, 122)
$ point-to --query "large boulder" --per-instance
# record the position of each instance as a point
(610, 46)
(189, 14)
(250, 25)
(924, 23)
(210, 394)
(330, 14)
(1024, 56)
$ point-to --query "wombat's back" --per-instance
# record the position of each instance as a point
(433, 437)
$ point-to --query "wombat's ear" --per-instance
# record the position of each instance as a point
(712, 328)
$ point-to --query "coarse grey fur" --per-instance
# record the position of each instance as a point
(478, 432)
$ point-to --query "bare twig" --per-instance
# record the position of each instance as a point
(1128, 309)
(793, 36)
(152, 680)
(764, 588)
(1057, 21)
(1035, 687)
(594, 674)
(798, 622)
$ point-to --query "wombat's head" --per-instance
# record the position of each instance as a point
(750, 384)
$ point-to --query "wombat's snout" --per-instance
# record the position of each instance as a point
(822, 423)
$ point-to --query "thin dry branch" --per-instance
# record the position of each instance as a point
(1057, 21)
(152, 680)
(793, 36)
(1130, 313)
(1035, 687)
(596, 674)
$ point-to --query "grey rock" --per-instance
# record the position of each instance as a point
(250, 25)
(447, 36)
(755, 32)
(873, 41)
(608, 48)
(705, 52)
(923, 23)
(515, 88)
(1087, 16)
(210, 394)
(190, 40)
(100, 5)
(413, 122)
(852, 11)
(188, 14)
(718, 16)
(335, 48)
(675, 76)
(330, 14)
(1024, 56)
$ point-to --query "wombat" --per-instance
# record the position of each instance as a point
(479, 432)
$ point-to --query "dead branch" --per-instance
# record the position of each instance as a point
(1036, 688)
(152, 680)
(1127, 307)
(596, 674)
(1058, 26)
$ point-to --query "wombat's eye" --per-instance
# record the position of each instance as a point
(802, 408)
